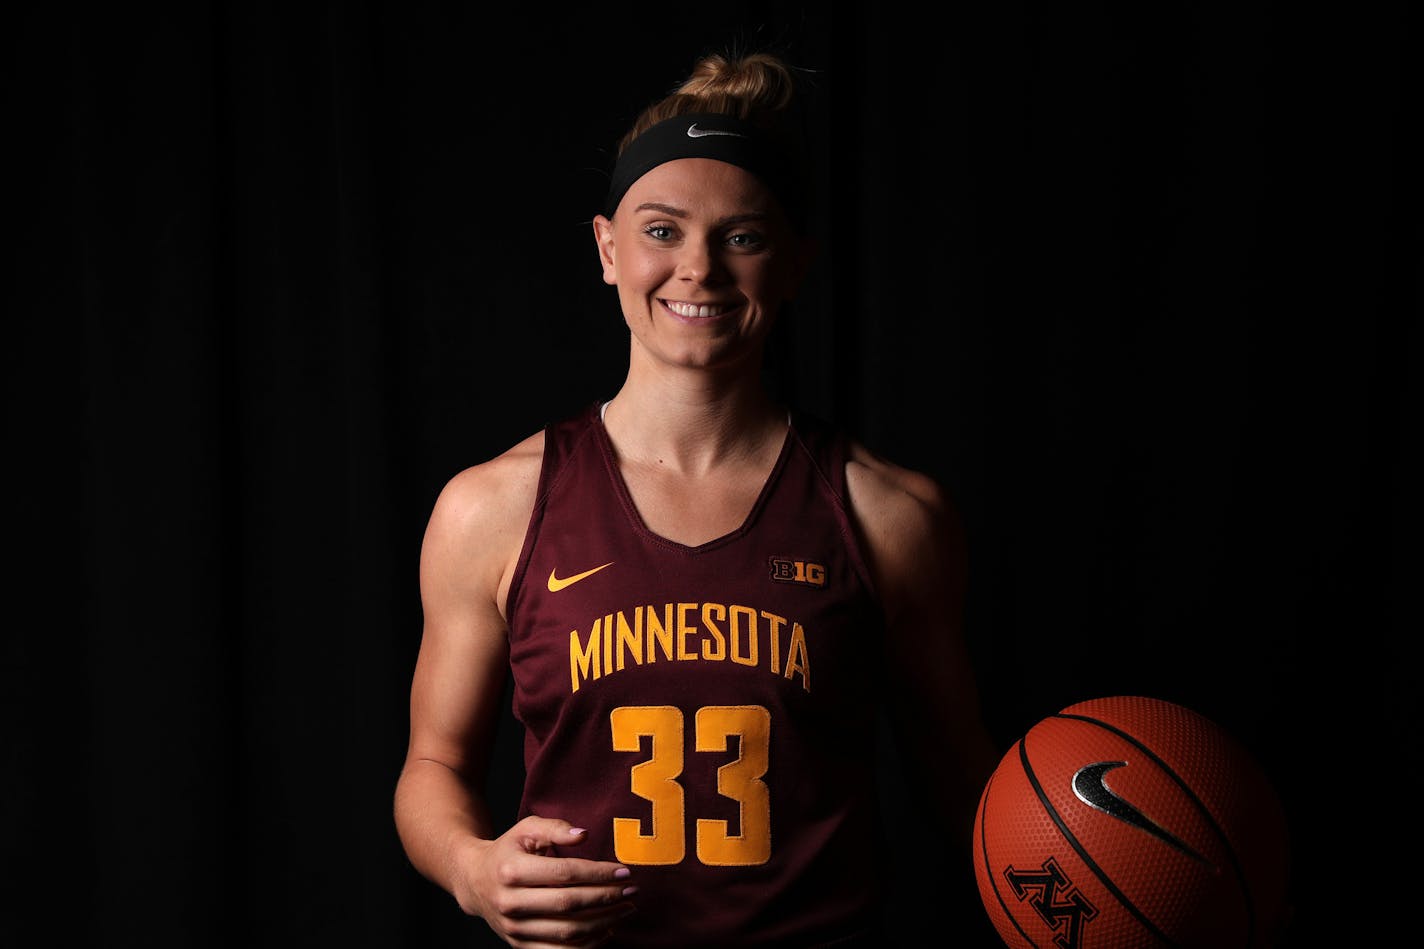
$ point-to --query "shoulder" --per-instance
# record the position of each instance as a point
(483, 491)
(477, 525)
(894, 502)
(883, 489)
(909, 525)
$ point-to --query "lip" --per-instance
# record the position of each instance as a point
(685, 311)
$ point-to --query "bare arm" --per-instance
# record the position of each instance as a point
(916, 547)
(460, 670)
(471, 544)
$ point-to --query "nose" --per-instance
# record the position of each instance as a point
(699, 262)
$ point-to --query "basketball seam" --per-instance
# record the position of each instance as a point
(1247, 896)
(988, 870)
(1073, 842)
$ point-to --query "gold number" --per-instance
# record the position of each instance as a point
(740, 780)
(655, 780)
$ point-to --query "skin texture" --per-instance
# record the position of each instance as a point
(703, 260)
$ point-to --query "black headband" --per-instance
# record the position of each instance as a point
(703, 135)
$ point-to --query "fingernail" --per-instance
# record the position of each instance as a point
(577, 830)
(629, 890)
(622, 873)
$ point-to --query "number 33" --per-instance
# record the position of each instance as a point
(655, 780)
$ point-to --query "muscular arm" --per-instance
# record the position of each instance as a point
(527, 897)
(470, 545)
(916, 549)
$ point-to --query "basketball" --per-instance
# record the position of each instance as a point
(1130, 822)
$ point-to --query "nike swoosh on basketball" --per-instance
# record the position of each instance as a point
(1090, 788)
(694, 132)
(556, 584)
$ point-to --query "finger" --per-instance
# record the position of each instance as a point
(538, 834)
(540, 871)
(584, 902)
(586, 927)
(613, 899)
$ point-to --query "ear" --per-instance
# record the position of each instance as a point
(603, 237)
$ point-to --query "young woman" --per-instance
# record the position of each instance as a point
(705, 601)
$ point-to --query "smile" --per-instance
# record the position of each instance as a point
(694, 311)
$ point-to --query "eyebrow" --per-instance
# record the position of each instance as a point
(661, 208)
(677, 212)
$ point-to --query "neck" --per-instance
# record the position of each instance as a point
(692, 422)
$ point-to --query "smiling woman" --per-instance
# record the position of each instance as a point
(703, 258)
(705, 600)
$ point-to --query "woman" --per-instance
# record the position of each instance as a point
(705, 600)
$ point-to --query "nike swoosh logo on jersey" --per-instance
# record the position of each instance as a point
(556, 584)
(694, 132)
(1090, 788)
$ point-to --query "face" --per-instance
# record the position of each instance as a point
(703, 258)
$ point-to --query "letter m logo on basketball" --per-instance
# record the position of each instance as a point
(1051, 894)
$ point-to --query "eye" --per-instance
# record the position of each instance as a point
(746, 240)
(659, 232)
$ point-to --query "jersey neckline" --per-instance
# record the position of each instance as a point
(635, 518)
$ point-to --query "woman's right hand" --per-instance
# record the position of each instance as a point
(531, 899)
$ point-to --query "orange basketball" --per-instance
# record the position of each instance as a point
(1130, 822)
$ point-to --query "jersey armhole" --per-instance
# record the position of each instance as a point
(560, 439)
(829, 451)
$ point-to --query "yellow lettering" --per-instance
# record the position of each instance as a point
(796, 659)
(630, 639)
(684, 630)
(608, 641)
(660, 630)
(622, 638)
(716, 647)
(582, 660)
(744, 623)
(775, 652)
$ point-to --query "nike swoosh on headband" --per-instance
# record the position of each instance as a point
(694, 132)
(1090, 788)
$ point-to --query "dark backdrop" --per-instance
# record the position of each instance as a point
(1138, 283)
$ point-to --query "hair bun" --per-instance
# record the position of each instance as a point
(763, 81)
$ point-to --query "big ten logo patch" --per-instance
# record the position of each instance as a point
(784, 570)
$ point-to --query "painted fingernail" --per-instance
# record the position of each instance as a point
(577, 830)
(622, 873)
(629, 890)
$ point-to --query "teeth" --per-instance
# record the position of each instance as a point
(693, 311)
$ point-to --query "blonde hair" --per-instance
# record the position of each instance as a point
(759, 88)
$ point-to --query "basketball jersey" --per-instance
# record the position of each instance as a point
(708, 713)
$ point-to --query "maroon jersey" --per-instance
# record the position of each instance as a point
(708, 713)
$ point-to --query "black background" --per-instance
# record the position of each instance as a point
(1138, 283)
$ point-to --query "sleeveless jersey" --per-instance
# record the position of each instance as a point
(708, 713)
